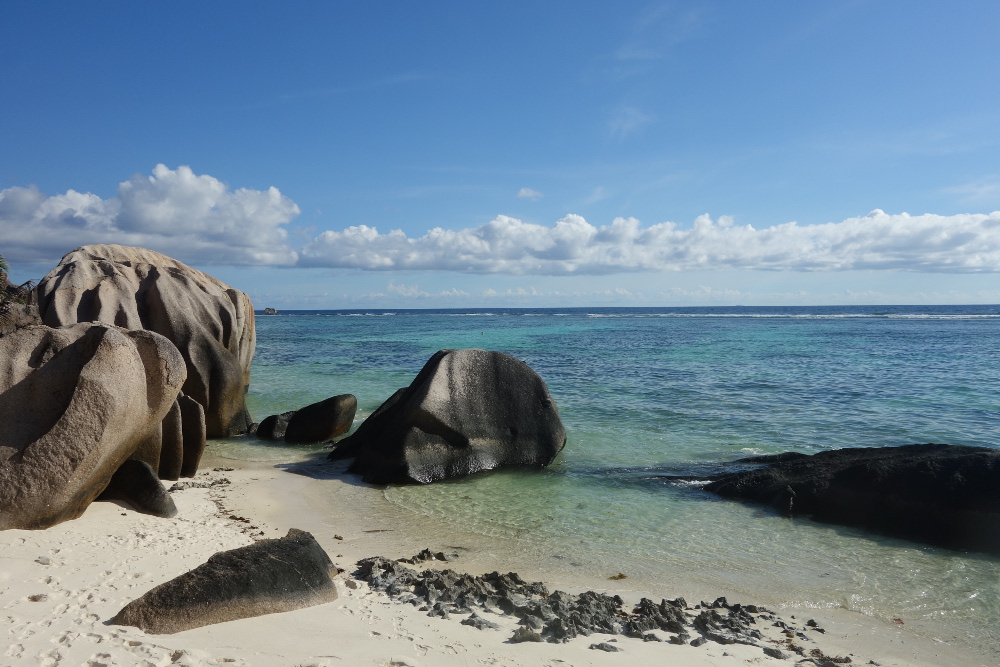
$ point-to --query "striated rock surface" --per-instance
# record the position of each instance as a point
(947, 495)
(75, 403)
(466, 411)
(211, 323)
(263, 578)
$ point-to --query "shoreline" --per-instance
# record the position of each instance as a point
(61, 585)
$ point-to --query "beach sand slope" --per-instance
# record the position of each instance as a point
(60, 587)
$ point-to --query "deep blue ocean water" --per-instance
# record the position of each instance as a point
(650, 392)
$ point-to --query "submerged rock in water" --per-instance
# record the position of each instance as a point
(273, 427)
(946, 495)
(263, 578)
(322, 421)
(466, 411)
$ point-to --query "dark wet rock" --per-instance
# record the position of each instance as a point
(480, 623)
(198, 484)
(466, 411)
(135, 483)
(731, 628)
(604, 646)
(946, 495)
(561, 616)
(555, 617)
(274, 426)
(774, 652)
(266, 577)
(322, 421)
(428, 555)
(667, 616)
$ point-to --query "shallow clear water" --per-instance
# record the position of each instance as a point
(648, 392)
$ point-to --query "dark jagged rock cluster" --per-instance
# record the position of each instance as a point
(560, 616)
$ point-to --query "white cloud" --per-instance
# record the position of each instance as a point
(414, 291)
(968, 243)
(196, 219)
(519, 292)
(200, 220)
(528, 193)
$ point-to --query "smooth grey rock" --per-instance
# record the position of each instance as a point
(466, 411)
(266, 577)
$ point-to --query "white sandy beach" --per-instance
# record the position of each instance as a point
(59, 587)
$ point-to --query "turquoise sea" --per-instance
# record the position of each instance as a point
(650, 392)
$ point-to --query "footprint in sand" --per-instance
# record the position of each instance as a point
(49, 658)
(66, 637)
(15, 650)
(99, 660)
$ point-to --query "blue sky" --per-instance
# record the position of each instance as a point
(401, 154)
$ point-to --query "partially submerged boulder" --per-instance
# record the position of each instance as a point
(263, 578)
(319, 422)
(75, 403)
(211, 323)
(273, 427)
(466, 411)
(946, 495)
(322, 421)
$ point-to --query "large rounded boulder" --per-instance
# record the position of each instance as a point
(211, 323)
(466, 411)
(75, 404)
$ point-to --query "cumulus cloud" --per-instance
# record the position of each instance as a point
(200, 220)
(968, 243)
(528, 193)
(194, 218)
